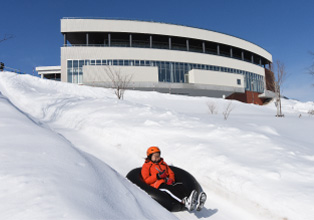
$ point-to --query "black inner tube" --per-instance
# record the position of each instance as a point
(164, 198)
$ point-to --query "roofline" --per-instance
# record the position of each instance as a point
(158, 22)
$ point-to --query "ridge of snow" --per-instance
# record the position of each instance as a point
(250, 160)
(43, 176)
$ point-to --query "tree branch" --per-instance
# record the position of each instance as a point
(6, 37)
(311, 69)
(119, 81)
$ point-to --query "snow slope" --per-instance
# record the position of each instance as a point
(252, 166)
(43, 176)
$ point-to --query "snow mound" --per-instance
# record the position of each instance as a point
(252, 166)
(43, 176)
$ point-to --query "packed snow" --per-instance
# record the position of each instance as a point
(65, 150)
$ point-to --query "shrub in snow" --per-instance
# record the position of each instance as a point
(229, 107)
(212, 107)
(311, 112)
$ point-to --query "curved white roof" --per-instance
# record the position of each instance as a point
(145, 27)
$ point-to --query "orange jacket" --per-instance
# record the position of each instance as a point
(150, 170)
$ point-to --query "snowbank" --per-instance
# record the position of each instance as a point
(258, 163)
(43, 176)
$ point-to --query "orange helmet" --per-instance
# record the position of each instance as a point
(152, 149)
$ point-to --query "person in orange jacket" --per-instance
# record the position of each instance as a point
(157, 173)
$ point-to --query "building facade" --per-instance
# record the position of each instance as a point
(164, 57)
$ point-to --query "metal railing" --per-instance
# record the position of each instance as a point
(14, 70)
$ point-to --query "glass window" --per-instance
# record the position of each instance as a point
(81, 63)
(70, 71)
(70, 63)
(167, 71)
(75, 71)
(80, 78)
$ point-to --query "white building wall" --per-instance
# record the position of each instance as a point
(43, 70)
(93, 74)
(215, 78)
(152, 54)
(104, 25)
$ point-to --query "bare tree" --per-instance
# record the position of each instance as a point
(280, 77)
(229, 107)
(119, 82)
(6, 37)
(311, 69)
(212, 107)
(311, 112)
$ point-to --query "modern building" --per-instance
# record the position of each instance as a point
(49, 72)
(165, 58)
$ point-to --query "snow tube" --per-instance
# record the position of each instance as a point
(164, 198)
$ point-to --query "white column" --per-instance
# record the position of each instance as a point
(169, 43)
(65, 39)
(187, 45)
(130, 40)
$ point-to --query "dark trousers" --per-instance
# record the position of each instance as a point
(176, 191)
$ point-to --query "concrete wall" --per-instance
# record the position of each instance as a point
(106, 25)
(94, 74)
(215, 78)
(46, 70)
(152, 54)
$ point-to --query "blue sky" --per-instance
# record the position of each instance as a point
(284, 28)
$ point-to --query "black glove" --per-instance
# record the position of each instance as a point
(162, 175)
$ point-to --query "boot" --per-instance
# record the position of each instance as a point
(191, 201)
(201, 201)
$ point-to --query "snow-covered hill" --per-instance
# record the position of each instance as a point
(65, 149)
